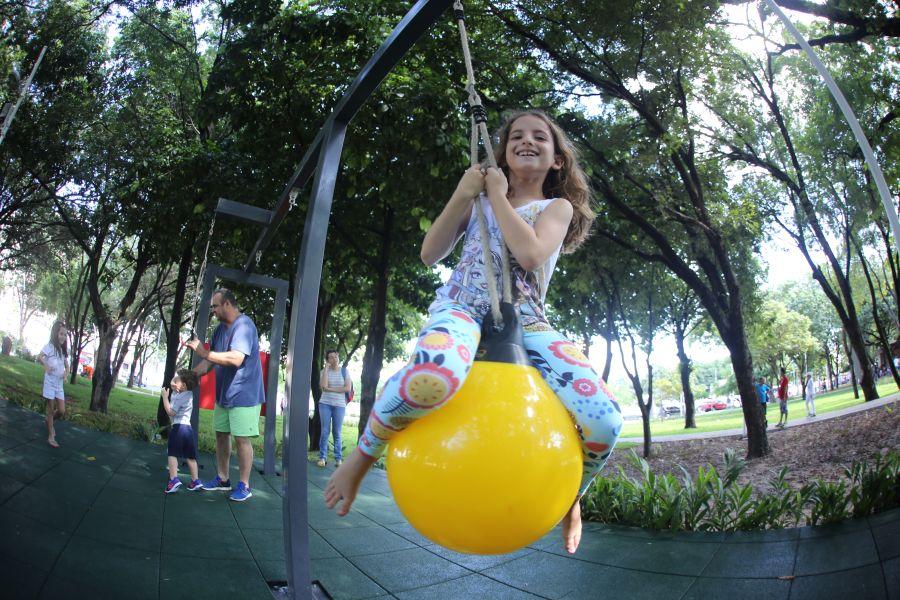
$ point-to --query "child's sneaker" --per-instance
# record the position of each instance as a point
(194, 486)
(216, 484)
(240, 493)
(173, 485)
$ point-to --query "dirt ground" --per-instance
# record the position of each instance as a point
(818, 450)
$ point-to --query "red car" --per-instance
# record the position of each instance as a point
(712, 405)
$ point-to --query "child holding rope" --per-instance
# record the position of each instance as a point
(181, 437)
(537, 200)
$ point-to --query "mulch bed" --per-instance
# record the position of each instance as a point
(819, 450)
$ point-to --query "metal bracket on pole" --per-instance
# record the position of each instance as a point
(858, 133)
(245, 212)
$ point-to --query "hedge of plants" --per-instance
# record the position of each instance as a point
(715, 501)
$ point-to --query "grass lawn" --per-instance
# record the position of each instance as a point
(733, 418)
(131, 412)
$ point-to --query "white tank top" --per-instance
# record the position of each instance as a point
(335, 380)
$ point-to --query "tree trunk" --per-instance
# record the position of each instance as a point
(373, 358)
(879, 326)
(145, 356)
(607, 364)
(608, 336)
(851, 366)
(684, 368)
(742, 364)
(645, 426)
(173, 334)
(103, 381)
(78, 321)
(138, 351)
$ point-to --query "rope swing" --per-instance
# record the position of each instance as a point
(478, 119)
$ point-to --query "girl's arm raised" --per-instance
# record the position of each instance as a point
(167, 406)
(531, 246)
(451, 223)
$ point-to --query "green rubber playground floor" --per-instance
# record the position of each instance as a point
(90, 520)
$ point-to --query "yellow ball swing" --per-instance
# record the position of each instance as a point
(498, 465)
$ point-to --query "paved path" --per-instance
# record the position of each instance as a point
(90, 520)
(796, 422)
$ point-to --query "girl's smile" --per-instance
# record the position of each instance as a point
(530, 147)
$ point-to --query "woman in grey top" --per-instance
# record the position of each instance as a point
(335, 384)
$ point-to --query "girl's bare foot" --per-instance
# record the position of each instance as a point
(344, 482)
(52, 442)
(572, 528)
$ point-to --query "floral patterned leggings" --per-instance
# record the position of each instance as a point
(442, 359)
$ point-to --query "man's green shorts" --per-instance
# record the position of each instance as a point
(241, 421)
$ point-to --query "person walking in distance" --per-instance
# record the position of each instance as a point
(809, 395)
(782, 399)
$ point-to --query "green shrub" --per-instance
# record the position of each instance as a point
(714, 502)
(829, 502)
(146, 431)
(24, 353)
(875, 488)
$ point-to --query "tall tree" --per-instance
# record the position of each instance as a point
(773, 150)
(643, 61)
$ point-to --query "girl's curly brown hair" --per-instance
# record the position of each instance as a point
(569, 182)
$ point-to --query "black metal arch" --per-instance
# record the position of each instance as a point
(322, 158)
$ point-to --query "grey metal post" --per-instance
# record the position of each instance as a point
(877, 175)
(23, 92)
(299, 362)
(209, 280)
(272, 383)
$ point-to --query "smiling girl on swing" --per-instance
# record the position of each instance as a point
(537, 200)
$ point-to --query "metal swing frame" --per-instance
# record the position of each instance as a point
(322, 158)
(210, 276)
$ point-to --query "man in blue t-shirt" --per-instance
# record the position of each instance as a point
(762, 394)
(234, 354)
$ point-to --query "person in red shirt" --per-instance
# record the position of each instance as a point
(782, 399)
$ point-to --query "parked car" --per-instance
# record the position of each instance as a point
(672, 410)
(712, 405)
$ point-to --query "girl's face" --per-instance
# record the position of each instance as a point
(177, 384)
(332, 359)
(530, 149)
(61, 336)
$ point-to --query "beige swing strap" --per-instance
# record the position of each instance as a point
(479, 130)
(200, 275)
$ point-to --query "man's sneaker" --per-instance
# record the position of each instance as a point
(320, 462)
(216, 484)
(240, 493)
(194, 486)
(173, 485)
